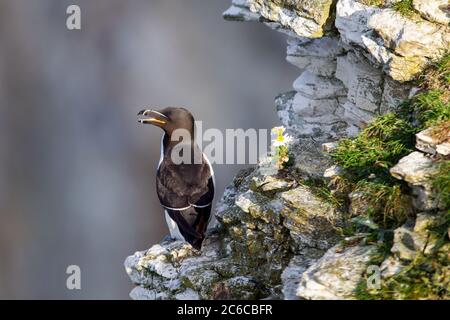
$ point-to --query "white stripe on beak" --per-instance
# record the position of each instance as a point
(153, 111)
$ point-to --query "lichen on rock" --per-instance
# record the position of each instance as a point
(307, 18)
(336, 274)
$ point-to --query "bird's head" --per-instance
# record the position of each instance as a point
(168, 119)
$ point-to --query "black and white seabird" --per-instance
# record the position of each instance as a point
(185, 190)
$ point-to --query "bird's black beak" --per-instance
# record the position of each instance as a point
(152, 117)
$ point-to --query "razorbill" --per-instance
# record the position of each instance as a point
(185, 190)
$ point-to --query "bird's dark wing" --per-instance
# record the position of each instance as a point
(192, 223)
(179, 186)
(187, 192)
(207, 197)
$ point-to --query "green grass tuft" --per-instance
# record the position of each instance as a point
(427, 277)
(387, 205)
(441, 184)
(376, 148)
(319, 187)
(366, 160)
(443, 68)
(405, 8)
(430, 109)
(437, 77)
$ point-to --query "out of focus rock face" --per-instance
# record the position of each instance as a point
(278, 235)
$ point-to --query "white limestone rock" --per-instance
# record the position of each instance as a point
(306, 118)
(432, 141)
(413, 239)
(244, 288)
(399, 68)
(187, 294)
(391, 266)
(311, 221)
(357, 116)
(240, 11)
(434, 10)
(291, 275)
(363, 81)
(316, 55)
(317, 87)
(415, 168)
(329, 147)
(376, 52)
(418, 170)
(404, 246)
(336, 275)
(285, 111)
(155, 260)
(309, 19)
(140, 293)
(259, 206)
(351, 20)
(405, 69)
(443, 149)
(309, 159)
(273, 229)
(159, 272)
(409, 38)
(394, 93)
(352, 130)
(332, 172)
(402, 46)
(309, 107)
(269, 184)
(325, 47)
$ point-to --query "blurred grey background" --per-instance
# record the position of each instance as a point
(76, 169)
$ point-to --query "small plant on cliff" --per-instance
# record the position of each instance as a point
(280, 145)
(376, 148)
(441, 184)
(429, 109)
(437, 76)
(405, 8)
(427, 277)
(432, 105)
(443, 70)
(387, 205)
(321, 189)
(366, 160)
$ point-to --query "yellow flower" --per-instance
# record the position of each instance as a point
(278, 131)
(282, 140)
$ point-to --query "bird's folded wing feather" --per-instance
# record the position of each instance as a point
(179, 186)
